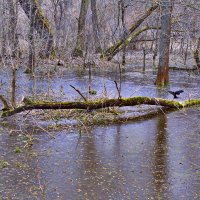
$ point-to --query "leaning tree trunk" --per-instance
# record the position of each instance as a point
(80, 40)
(164, 43)
(196, 53)
(130, 38)
(41, 25)
(97, 43)
(113, 50)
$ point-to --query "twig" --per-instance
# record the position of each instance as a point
(118, 90)
(85, 99)
(46, 132)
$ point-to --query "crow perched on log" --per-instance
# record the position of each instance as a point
(176, 93)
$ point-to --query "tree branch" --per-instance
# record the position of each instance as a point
(118, 90)
(85, 99)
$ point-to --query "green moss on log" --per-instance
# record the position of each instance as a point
(192, 102)
(100, 103)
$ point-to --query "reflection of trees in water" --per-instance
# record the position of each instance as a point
(13, 86)
(160, 156)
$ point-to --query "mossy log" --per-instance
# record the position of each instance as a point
(98, 104)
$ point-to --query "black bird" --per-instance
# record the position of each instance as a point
(176, 93)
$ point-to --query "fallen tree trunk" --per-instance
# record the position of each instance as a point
(98, 104)
(108, 53)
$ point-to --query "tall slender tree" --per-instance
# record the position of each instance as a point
(80, 40)
(13, 38)
(164, 43)
(31, 63)
(123, 10)
(196, 53)
(95, 26)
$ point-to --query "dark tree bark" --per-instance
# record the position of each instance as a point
(41, 25)
(95, 26)
(4, 38)
(164, 43)
(13, 38)
(31, 62)
(80, 40)
(124, 31)
(196, 53)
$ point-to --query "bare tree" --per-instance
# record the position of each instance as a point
(123, 10)
(164, 43)
(80, 40)
(31, 63)
(13, 38)
(95, 26)
(196, 53)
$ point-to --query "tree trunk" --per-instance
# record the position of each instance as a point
(31, 62)
(80, 40)
(123, 9)
(196, 53)
(13, 39)
(113, 50)
(41, 25)
(164, 43)
(96, 104)
(95, 26)
(4, 34)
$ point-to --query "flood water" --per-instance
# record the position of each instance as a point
(157, 158)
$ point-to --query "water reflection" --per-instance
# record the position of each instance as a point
(126, 161)
(149, 159)
(160, 164)
(131, 83)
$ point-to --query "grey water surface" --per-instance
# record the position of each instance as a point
(157, 158)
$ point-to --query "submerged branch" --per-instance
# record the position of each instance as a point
(98, 104)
